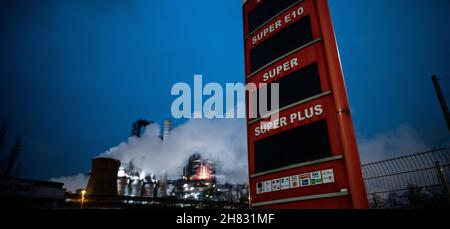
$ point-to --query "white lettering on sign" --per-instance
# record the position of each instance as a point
(308, 113)
(266, 31)
(293, 15)
(284, 67)
(276, 25)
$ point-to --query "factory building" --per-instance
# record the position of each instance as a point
(199, 178)
(110, 177)
(132, 182)
(199, 170)
(26, 193)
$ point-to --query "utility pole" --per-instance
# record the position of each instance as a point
(441, 98)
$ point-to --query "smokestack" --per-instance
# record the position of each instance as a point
(167, 127)
(103, 179)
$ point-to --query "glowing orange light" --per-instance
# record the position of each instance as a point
(203, 173)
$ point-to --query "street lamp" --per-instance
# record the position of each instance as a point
(82, 197)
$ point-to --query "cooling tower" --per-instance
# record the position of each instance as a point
(103, 179)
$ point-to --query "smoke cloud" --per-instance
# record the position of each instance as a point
(73, 183)
(400, 141)
(223, 141)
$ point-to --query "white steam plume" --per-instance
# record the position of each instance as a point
(73, 183)
(223, 141)
(401, 141)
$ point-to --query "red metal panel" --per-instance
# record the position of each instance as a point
(339, 173)
(326, 102)
(304, 57)
(248, 7)
(308, 10)
(328, 203)
(348, 182)
(284, 20)
(348, 138)
(309, 55)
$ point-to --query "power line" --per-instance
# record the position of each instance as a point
(447, 77)
(441, 99)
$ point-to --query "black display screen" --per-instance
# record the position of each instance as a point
(302, 144)
(294, 87)
(265, 11)
(288, 39)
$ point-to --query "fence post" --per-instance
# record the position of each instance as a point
(442, 180)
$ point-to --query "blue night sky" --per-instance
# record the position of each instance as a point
(74, 75)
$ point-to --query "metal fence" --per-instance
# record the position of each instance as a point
(415, 181)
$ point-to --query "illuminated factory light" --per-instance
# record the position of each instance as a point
(121, 173)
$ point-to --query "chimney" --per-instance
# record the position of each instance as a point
(103, 179)
(167, 127)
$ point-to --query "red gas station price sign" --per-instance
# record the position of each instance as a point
(307, 157)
